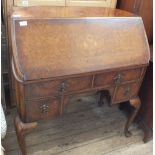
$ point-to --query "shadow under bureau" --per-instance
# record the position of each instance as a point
(63, 51)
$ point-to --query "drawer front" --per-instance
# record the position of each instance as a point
(52, 88)
(77, 84)
(126, 91)
(42, 89)
(131, 75)
(42, 109)
(113, 78)
(104, 79)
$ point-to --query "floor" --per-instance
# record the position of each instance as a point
(84, 129)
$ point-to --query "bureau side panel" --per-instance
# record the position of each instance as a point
(19, 93)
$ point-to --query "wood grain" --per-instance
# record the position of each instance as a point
(65, 54)
(85, 45)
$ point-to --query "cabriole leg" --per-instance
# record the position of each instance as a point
(136, 103)
(21, 130)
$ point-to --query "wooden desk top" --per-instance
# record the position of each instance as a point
(60, 45)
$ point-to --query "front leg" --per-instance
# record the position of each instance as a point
(136, 103)
(21, 130)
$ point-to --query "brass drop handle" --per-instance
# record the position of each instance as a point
(44, 108)
(117, 79)
(127, 91)
(62, 86)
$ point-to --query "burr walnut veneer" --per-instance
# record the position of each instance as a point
(61, 51)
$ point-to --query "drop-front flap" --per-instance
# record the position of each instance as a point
(46, 48)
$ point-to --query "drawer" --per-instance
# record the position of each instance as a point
(130, 75)
(77, 84)
(50, 88)
(42, 109)
(116, 77)
(126, 91)
(41, 89)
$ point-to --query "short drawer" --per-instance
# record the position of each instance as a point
(116, 77)
(52, 88)
(78, 84)
(42, 109)
(126, 91)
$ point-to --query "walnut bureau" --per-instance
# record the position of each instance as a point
(61, 51)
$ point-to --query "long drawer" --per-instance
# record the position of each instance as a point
(55, 87)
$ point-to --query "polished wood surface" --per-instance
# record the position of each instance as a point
(88, 42)
(11, 5)
(46, 12)
(57, 57)
(143, 8)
